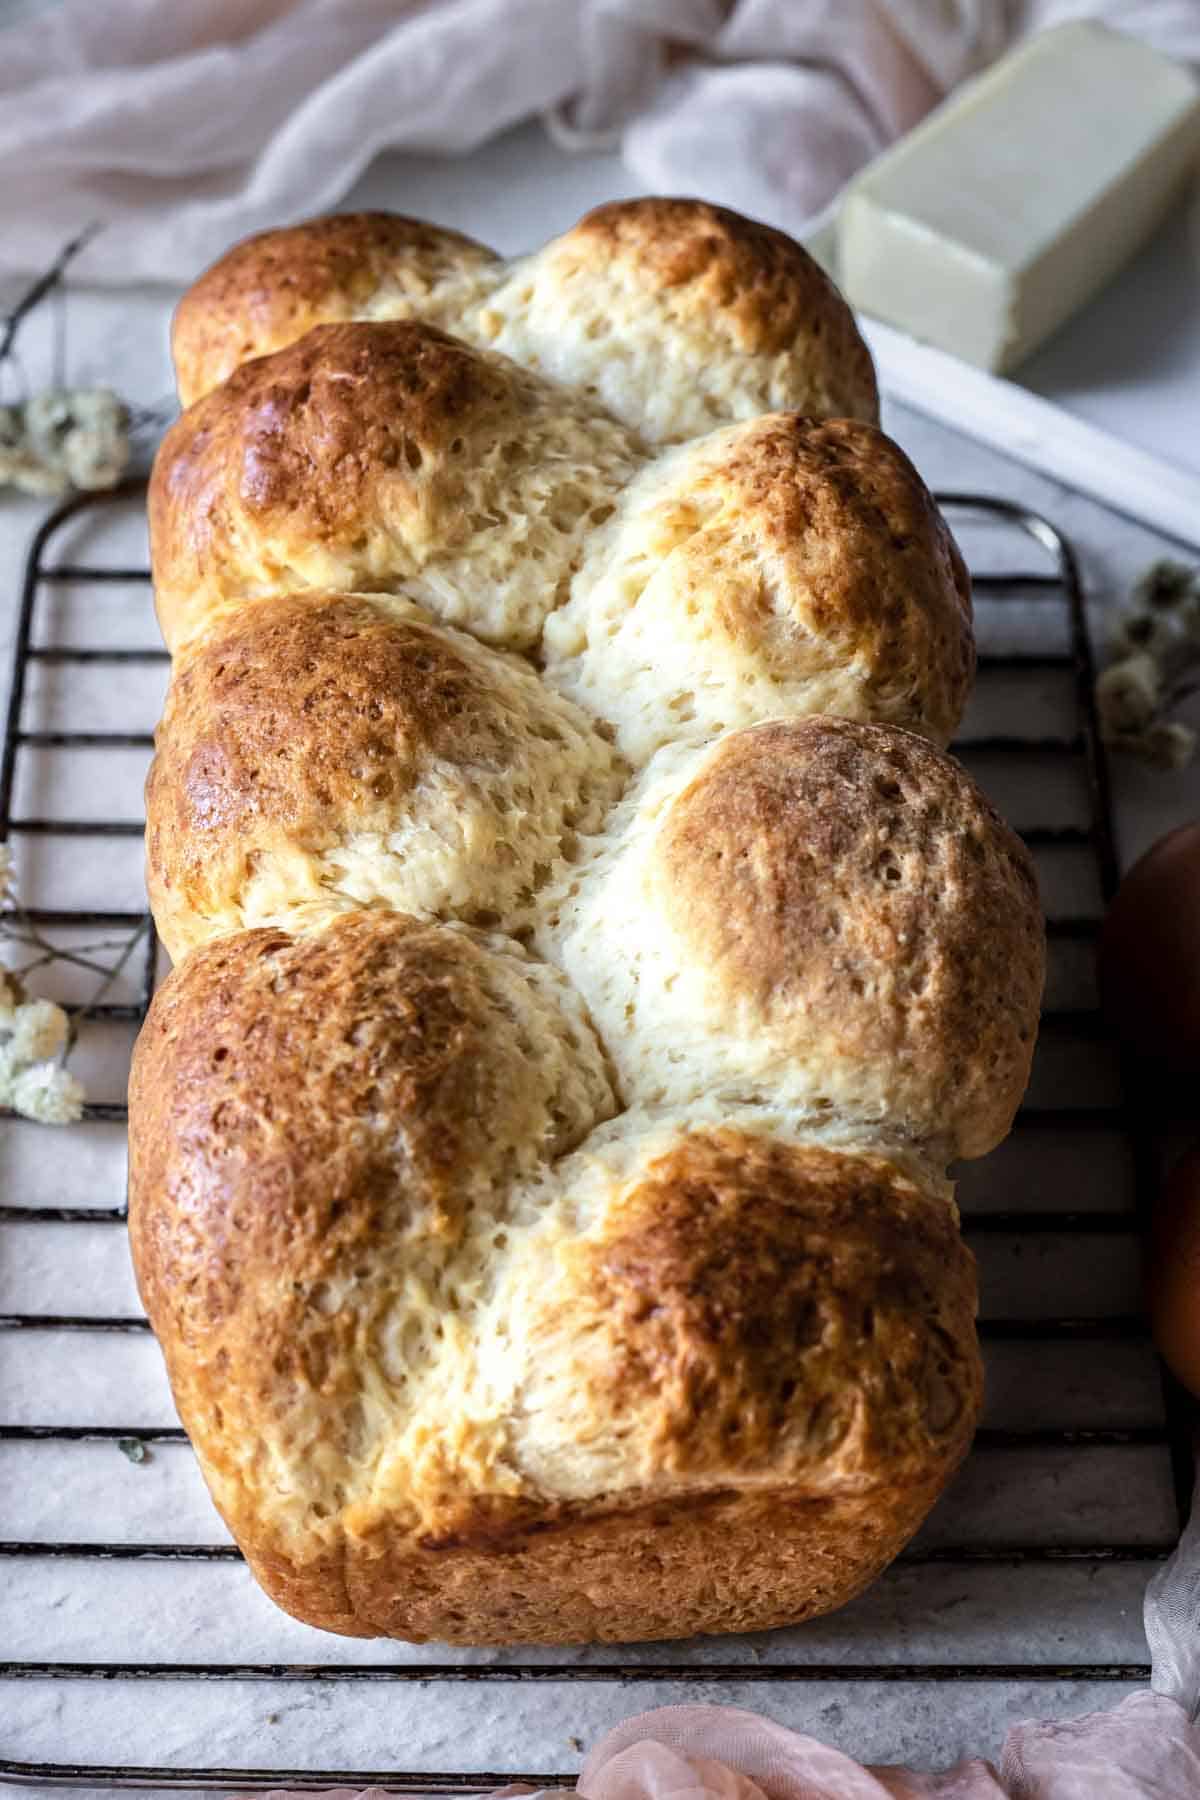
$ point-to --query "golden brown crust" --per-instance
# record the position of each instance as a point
(349, 1081)
(312, 748)
(311, 435)
(669, 1569)
(271, 288)
(757, 284)
(871, 568)
(485, 1329)
(366, 455)
(309, 709)
(787, 1308)
(782, 1337)
(781, 567)
(270, 1160)
(852, 890)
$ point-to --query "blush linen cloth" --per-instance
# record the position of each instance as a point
(184, 126)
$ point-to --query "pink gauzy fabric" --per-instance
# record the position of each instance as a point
(693, 1751)
(1145, 1748)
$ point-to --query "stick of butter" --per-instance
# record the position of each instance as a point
(1013, 203)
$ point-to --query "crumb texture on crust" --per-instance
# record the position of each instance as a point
(271, 288)
(405, 1334)
(819, 912)
(341, 750)
(588, 964)
(781, 567)
(679, 315)
(387, 457)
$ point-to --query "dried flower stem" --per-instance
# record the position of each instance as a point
(78, 1015)
(44, 285)
(1156, 649)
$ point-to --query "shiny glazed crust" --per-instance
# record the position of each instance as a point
(384, 457)
(273, 287)
(587, 962)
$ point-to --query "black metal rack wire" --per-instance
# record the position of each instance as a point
(1083, 746)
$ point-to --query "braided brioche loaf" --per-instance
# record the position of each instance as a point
(588, 962)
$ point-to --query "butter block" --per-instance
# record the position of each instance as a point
(1012, 204)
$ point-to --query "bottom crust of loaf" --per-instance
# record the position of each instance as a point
(718, 1563)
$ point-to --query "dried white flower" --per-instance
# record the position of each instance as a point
(61, 437)
(20, 467)
(47, 1093)
(1166, 585)
(1168, 744)
(1129, 694)
(1156, 642)
(39, 1030)
(1158, 635)
(76, 437)
(1159, 621)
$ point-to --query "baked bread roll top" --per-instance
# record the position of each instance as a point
(273, 287)
(819, 915)
(403, 1320)
(375, 456)
(326, 751)
(781, 567)
(679, 316)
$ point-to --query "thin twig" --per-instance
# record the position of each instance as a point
(159, 414)
(42, 286)
(1183, 689)
(59, 956)
(112, 976)
(29, 934)
(59, 363)
(32, 939)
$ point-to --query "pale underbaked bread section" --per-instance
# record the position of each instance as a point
(375, 456)
(816, 914)
(678, 315)
(324, 751)
(781, 567)
(687, 1380)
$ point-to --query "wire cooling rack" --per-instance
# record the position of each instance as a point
(1056, 1435)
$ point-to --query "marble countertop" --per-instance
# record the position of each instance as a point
(515, 194)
